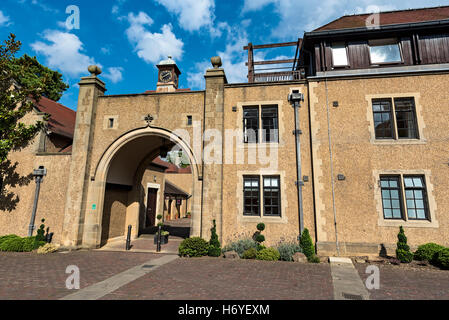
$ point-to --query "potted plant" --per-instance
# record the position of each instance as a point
(164, 237)
(164, 233)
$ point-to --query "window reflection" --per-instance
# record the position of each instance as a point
(384, 51)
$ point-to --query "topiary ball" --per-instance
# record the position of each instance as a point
(261, 227)
(260, 238)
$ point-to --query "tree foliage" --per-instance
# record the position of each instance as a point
(23, 81)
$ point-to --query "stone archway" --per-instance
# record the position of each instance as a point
(97, 189)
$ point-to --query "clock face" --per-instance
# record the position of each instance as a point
(166, 76)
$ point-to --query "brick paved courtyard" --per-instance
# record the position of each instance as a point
(28, 276)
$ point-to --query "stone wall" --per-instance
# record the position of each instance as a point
(361, 158)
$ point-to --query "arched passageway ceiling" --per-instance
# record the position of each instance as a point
(127, 160)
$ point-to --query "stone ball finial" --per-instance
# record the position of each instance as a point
(216, 62)
(94, 70)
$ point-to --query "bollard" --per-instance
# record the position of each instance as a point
(159, 239)
(128, 238)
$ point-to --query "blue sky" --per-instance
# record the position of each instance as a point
(127, 38)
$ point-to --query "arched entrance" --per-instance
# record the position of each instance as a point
(122, 189)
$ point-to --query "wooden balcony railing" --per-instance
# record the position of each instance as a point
(277, 76)
(278, 73)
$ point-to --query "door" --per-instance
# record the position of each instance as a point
(151, 208)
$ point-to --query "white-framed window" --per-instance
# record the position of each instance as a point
(267, 197)
(385, 51)
(404, 197)
(339, 54)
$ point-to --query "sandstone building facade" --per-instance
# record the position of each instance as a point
(351, 145)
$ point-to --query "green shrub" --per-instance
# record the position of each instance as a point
(306, 244)
(13, 244)
(214, 251)
(214, 243)
(240, 246)
(268, 254)
(251, 253)
(10, 236)
(287, 250)
(403, 250)
(442, 258)
(29, 244)
(41, 232)
(427, 251)
(194, 247)
(261, 227)
(260, 238)
(314, 259)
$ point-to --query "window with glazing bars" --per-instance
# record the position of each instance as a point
(271, 196)
(395, 120)
(270, 124)
(383, 119)
(391, 197)
(406, 118)
(251, 124)
(251, 195)
(416, 198)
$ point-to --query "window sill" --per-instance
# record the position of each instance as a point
(408, 223)
(259, 144)
(398, 141)
(265, 219)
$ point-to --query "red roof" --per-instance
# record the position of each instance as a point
(62, 119)
(171, 168)
(389, 18)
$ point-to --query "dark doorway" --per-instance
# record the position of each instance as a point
(151, 208)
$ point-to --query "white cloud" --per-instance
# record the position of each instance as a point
(40, 4)
(192, 14)
(295, 17)
(253, 5)
(106, 51)
(63, 52)
(4, 19)
(117, 6)
(233, 58)
(114, 74)
(152, 47)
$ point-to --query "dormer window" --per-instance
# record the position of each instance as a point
(385, 51)
(339, 55)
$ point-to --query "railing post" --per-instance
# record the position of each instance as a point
(250, 63)
(159, 239)
(128, 238)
